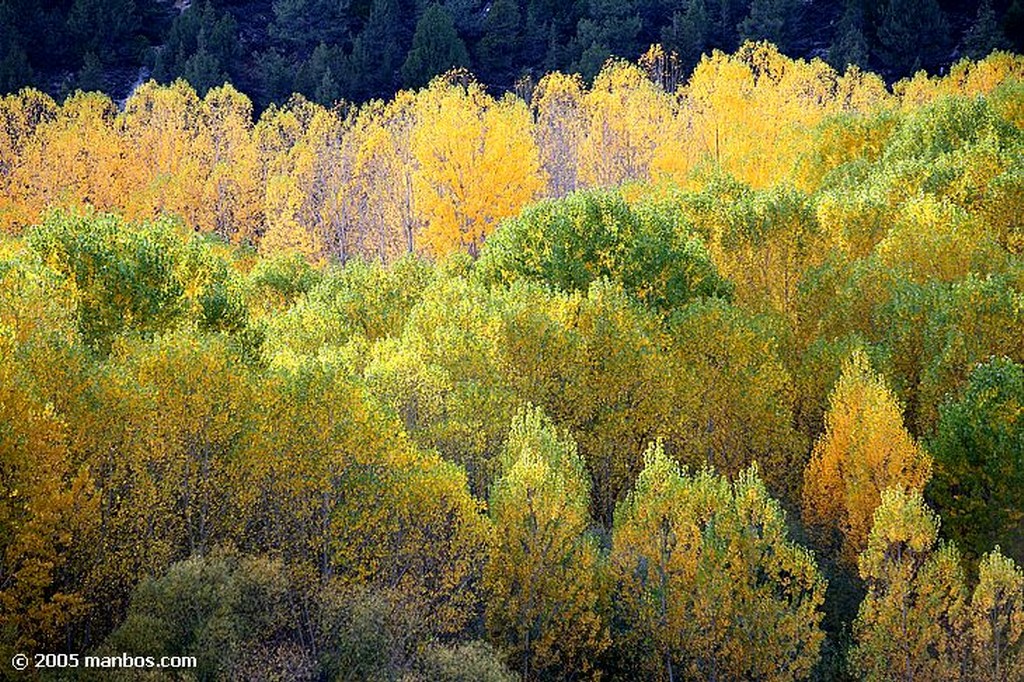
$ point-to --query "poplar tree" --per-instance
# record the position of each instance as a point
(542, 575)
(708, 586)
(865, 449)
(909, 626)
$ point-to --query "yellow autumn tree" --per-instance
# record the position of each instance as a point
(381, 188)
(74, 160)
(476, 161)
(750, 111)
(864, 450)
(626, 113)
(558, 101)
(162, 130)
(707, 582)
(541, 577)
(46, 507)
(232, 194)
(909, 626)
(22, 114)
(305, 196)
(996, 621)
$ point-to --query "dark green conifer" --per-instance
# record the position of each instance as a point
(436, 48)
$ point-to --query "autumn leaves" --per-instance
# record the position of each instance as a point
(433, 171)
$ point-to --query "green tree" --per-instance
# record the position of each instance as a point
(202, 47)
(849, 45)
(985, 34)
(570, 243)
(979, 460)
(91, 77)
(541, 577)
(300, 25)
(107, 28)
(912, 35)
(124, 275)
(497, 53)
(610, 28)
(225, 610)
(203, 72)
(909, 626)
(436, 48)
(687, 33)
(770, 20)
(708, 586)
(15, 70)
(373, 65)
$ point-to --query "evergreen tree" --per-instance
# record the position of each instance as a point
(203, 72)
(199, 28)
(15, 71)
(769, 20)
(317, 78)
(90, 76)
(436, 48)
(373, 64)
(610, 29)
(497, 51)
(275, 77)
(849, 46)
(300, 25)
(912, 35)
(727, 15)
(104, 27)
(687, 34)
(985, 34)
(1013, 24)
(468, 16)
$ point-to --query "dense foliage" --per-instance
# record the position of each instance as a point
(355, 50)
(332, 396)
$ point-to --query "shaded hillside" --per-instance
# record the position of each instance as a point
(360, 49)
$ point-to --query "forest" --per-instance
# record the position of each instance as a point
(645, 378)
(357, 50)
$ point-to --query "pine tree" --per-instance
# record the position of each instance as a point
(610, 29)
(436, 48)
(203, 71)
(769, 20)
(104, 27)
(497, 51)
(90, 76)
(15, 70)
(849, 46)
(373, 64)
(300, 25)
(912, 35)
(687, 34)
(985, 34)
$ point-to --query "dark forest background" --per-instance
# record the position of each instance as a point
(355, 50)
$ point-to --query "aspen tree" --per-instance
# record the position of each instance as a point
(865, 449)
(541, 578)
